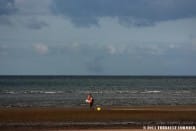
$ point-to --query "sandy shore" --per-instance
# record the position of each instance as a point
(83, 118)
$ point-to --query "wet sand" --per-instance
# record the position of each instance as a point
(84, 118)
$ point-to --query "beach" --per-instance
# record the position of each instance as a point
(135, 117)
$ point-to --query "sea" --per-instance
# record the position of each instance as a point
(71, 91)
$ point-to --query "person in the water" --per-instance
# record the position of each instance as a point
(90, 100)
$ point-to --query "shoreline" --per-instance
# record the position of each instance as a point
(133, 117)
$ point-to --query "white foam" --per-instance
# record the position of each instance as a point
(50, 92)
(127, 91)
(183, 92)
(153, 91)
(10, 92)
(42, 92)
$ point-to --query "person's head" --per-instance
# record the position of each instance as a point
(89, 95)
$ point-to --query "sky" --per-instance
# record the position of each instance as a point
(97, 37)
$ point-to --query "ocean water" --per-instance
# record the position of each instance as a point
(71, 91)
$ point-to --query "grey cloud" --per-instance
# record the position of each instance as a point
(13, 12)
(136, 12)
(3, 50)
(4, 20)
(95, 65)
(36, 24)
(128, 21)
(7, 7)
(91, 56)
(84, 21)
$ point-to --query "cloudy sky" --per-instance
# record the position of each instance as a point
(97, 37)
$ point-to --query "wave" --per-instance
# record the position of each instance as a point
(32, 92)
(110, 92)
(153, 91)
(44, 92)
(127, 91)
(182, 92)
(9, 92)
(53, 92)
